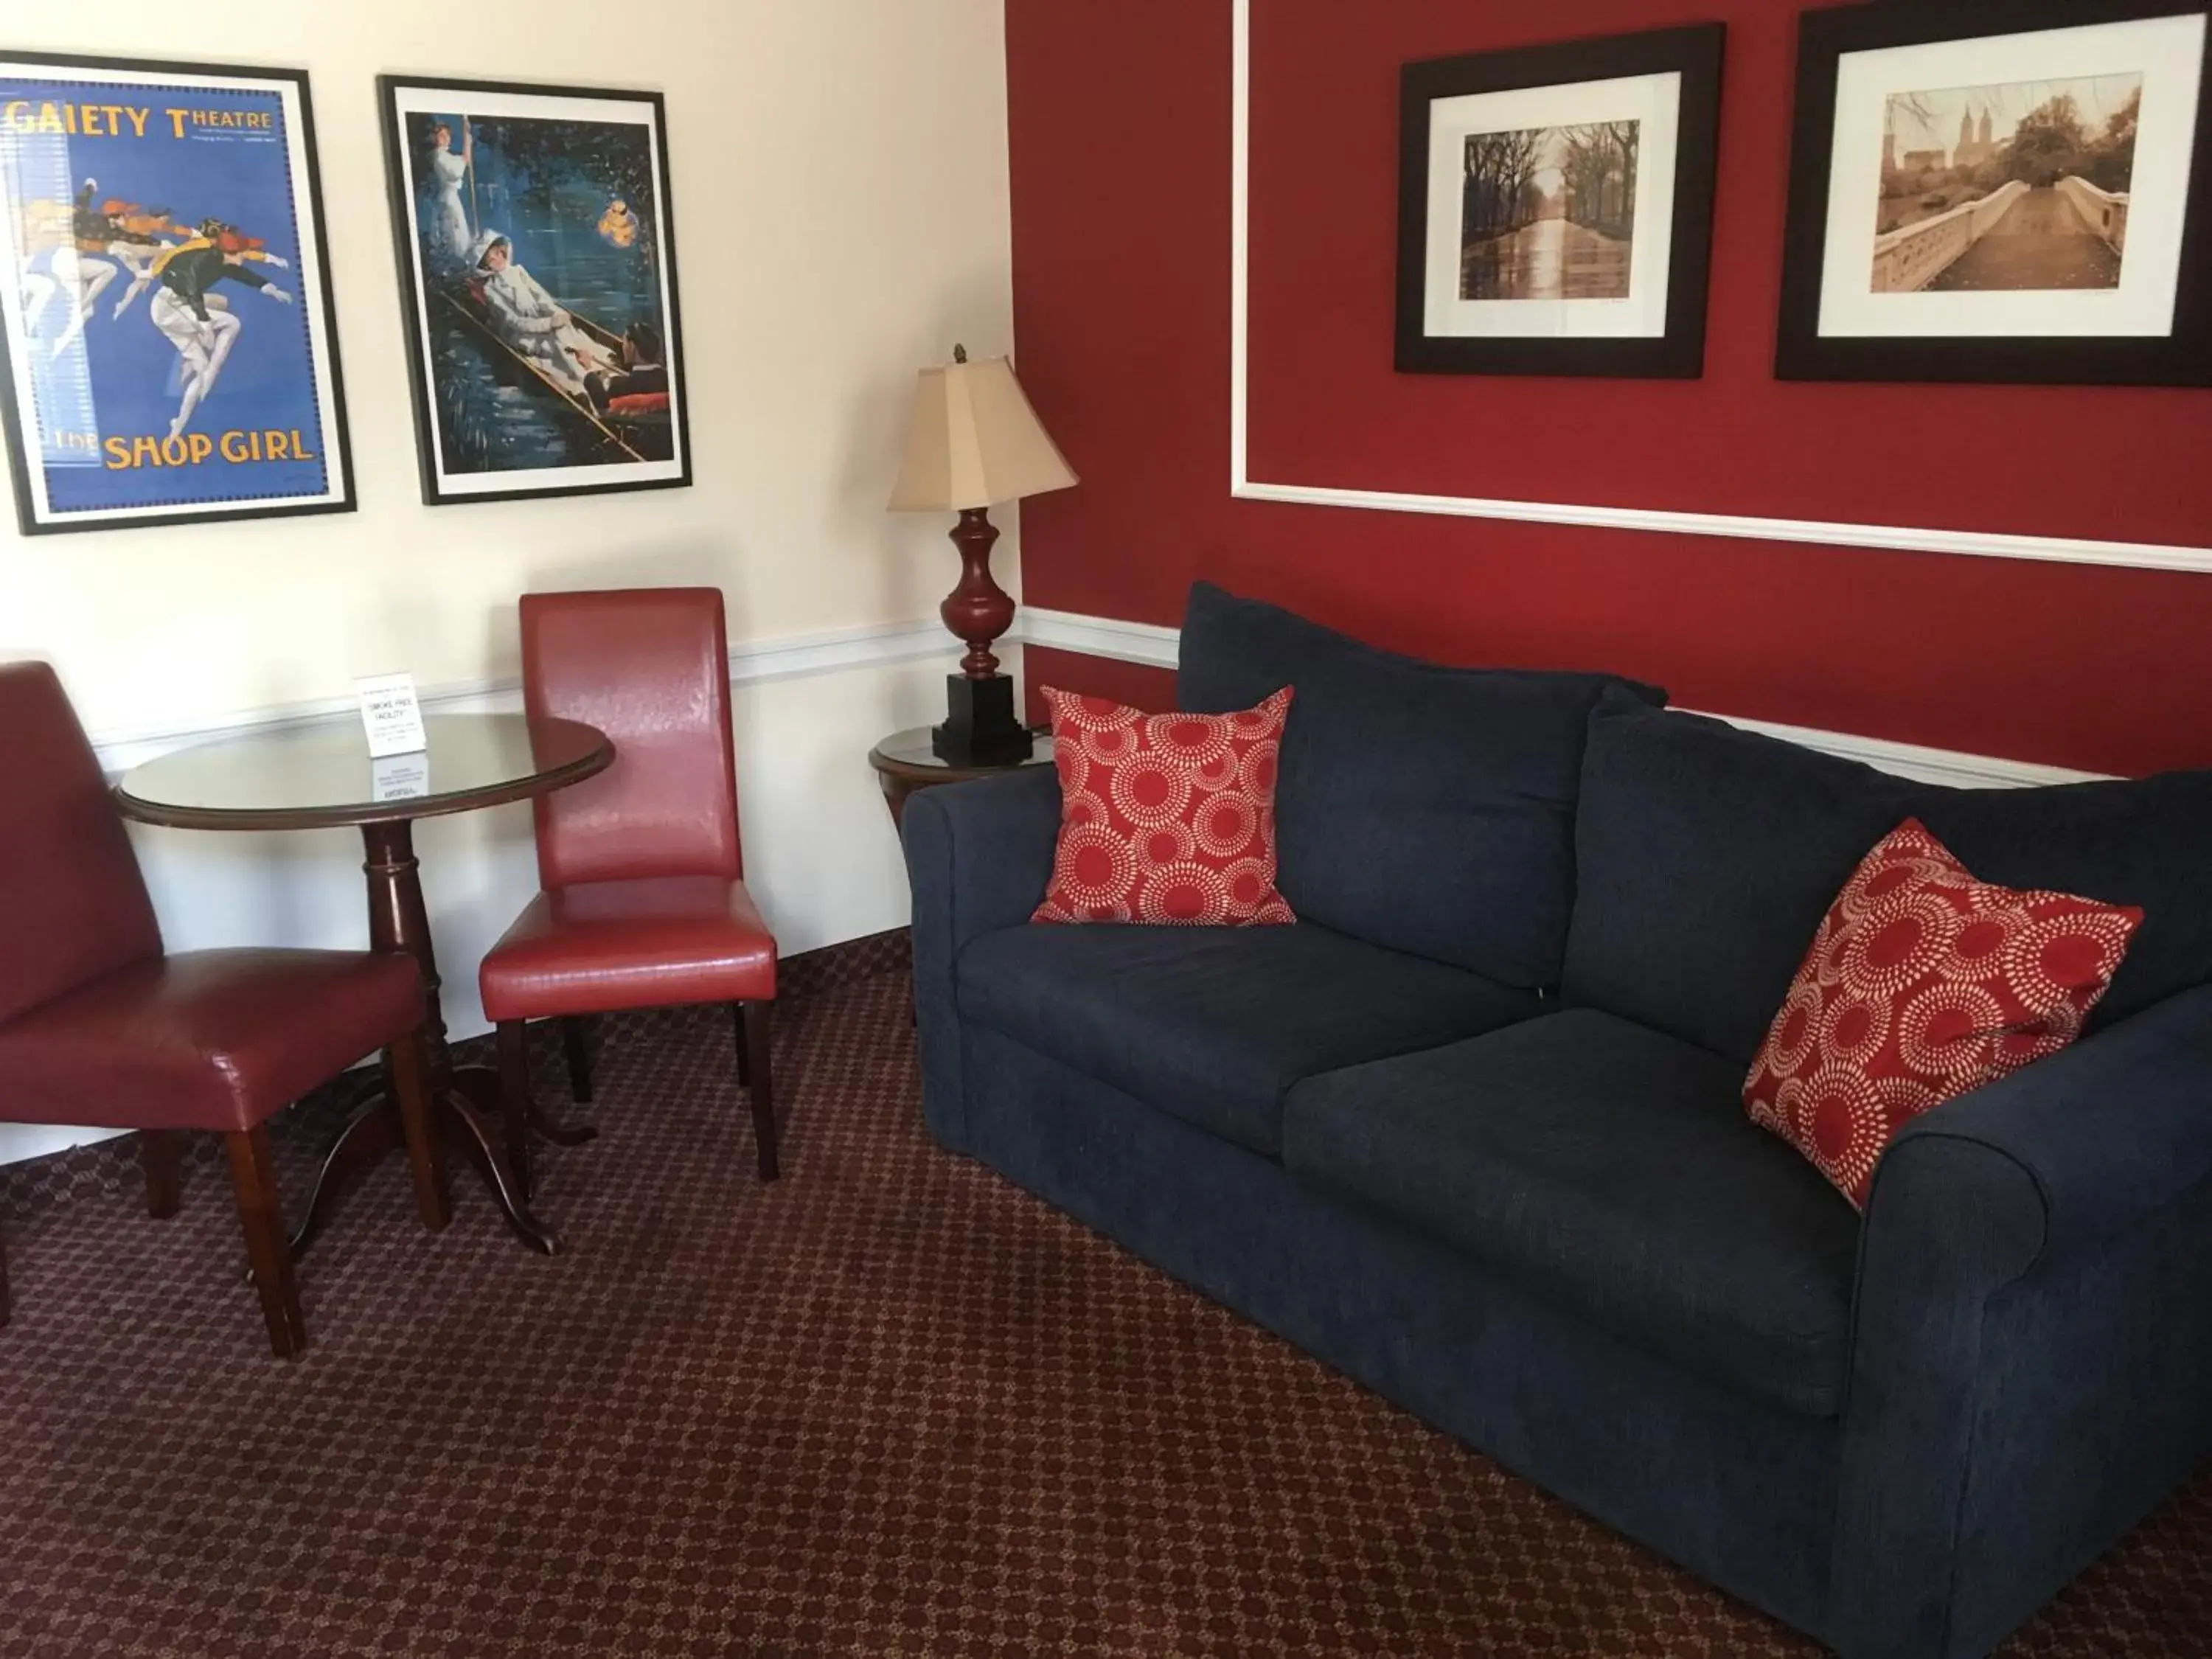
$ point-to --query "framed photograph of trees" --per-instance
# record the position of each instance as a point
(2001, 193)
(1555, 207)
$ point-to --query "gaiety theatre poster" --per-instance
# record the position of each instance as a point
(169, 349)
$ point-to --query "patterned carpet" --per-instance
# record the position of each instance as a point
(888, 1406)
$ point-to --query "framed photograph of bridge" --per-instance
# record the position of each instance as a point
(538, 271)
(2014, 193)
(1555, 207)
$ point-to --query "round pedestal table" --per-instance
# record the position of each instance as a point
(319, 777)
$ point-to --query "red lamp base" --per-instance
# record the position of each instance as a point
(980, 727)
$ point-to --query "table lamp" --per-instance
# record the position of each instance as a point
(974, 439)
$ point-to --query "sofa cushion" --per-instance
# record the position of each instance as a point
(1425, 808)
(1604, 1167)
(1213, 1025)
(1705, 857)
(2139, 841)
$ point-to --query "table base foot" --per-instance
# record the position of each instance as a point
(465, 1120)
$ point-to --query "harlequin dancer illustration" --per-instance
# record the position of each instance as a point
(93, 273)
(134, 235)
(49, 259)
(530, 320)
(197, 322)
(129, 236)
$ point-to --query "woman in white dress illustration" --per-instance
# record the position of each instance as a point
(450, 236)
(532, 322)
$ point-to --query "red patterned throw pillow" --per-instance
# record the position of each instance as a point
(1165, 819)
(1922, 983)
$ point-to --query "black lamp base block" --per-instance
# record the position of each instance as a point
(980, 728)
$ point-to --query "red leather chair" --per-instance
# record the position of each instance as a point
(99, 1026)
(643, 903)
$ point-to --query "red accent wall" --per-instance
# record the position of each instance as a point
(1119, 129)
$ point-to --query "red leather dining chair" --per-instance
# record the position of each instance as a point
(644, 901)
(99, 1026)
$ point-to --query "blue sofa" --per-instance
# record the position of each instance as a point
(1471, 1132)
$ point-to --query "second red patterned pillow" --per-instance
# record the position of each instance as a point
(1922, 983)
(1165, 819)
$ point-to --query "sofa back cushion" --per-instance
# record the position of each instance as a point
(1424, 808)
(2141, 842)
(1705, 857)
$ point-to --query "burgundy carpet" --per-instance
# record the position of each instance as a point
(890, 1405)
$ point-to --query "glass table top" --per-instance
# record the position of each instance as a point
(322, 774)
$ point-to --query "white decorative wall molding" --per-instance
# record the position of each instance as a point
(1100, 636)
(1149, 644)
(1913, 760)
(1817, 532)
(751, 662)
(1157, 647)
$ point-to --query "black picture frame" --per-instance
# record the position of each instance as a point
(334, 432)
(1695, 53)
(671, 472)
(2181, 357)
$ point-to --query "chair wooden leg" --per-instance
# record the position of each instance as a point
(745, 1049)
(163, 1158)
(407, 1073)
(575, 1043)
(261, 1215)
(755, 1026)
(514, 1100)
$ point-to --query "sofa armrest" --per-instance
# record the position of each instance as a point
(2026, 1270)
(978, 856)
(2106, 1132)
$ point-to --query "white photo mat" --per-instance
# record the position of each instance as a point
(1654, 102)
(2166, 52)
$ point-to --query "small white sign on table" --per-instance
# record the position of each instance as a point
(399, 777)
(390, 715)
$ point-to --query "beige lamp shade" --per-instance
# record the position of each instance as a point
(974, 439)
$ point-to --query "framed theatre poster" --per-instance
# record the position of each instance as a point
(537, 271)
(2014, 191)
(165, 340)
(1555, 207)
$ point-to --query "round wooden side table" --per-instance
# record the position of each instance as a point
(904, 763)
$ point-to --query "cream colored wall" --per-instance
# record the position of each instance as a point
(839, 177)
(839, 174)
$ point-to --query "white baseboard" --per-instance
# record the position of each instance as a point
(1158, 648)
